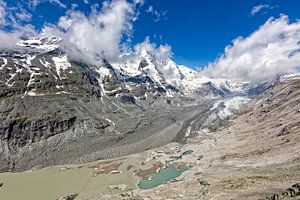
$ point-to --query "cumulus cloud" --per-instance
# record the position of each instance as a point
(102, 33)
(273, 49)
(98, 35)
(8, 40)
(162, 52)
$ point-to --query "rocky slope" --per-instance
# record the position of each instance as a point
(256, 157)
(55, 110)
(252, 154)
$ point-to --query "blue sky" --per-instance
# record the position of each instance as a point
(198, 31)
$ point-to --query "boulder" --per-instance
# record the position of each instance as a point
(70, 197)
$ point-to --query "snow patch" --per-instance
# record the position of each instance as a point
(59, 86)
(4, 63)
(45, 63)
(9, 80)
(62, 92)
(44, 44)
(31, 80)
(61, 64)
(290, 77)
(12, 75)
(33, 93)
(103, 71)
(110, 121)
(29, 59)
(188, 131)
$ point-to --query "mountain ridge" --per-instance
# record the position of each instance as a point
(76, 111)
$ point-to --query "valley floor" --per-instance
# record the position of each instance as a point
(253, 158)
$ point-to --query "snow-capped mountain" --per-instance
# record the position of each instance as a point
(51, 101)
(173, 77)
(41, 57)
(42, 43)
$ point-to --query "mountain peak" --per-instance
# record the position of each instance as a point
(40, 43)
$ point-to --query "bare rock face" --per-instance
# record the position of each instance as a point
(291, 193)
(21, 131)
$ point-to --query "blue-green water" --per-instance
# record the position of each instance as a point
(164, 175)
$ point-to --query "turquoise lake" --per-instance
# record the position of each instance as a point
(164, 175)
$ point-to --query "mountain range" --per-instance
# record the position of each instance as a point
(57, 110)
(138, 110)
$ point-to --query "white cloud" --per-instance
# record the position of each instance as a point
(8, 40)
(161, 53)
(89, 38)
(272, 50)
(157, 16)
(98, 35)
(13, 16)
(86, 1)
(9, 17)
(34, 3)
(138, 2)
(58, 2)
(2, 13)
(150, 9)
(261, 7)
(23, 15)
